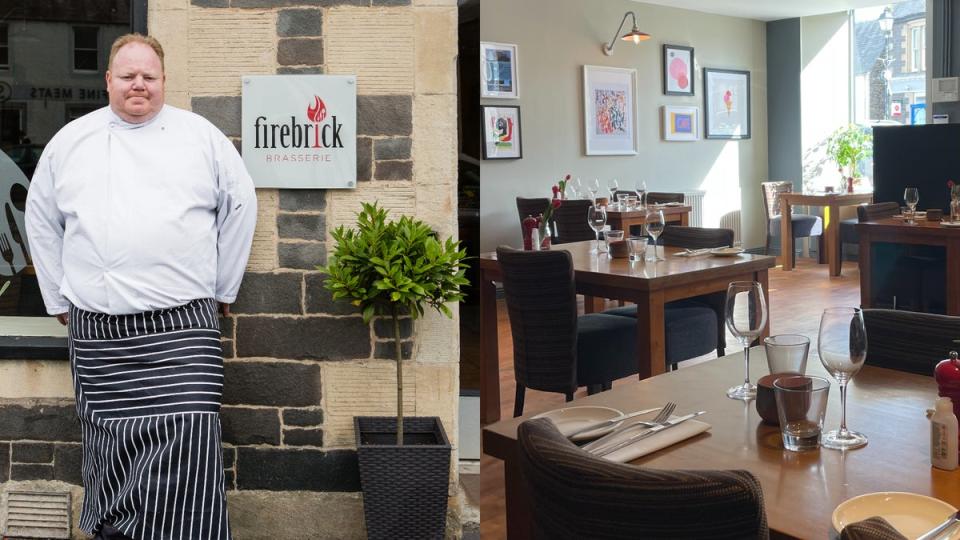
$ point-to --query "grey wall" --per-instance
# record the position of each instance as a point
(943, 41)
(783, 102)
(556, 38)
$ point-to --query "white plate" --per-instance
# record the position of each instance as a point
(909, 513)
(571, 419)
(950, 223)
(726, 252)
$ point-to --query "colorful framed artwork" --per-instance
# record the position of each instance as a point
(678, 70)
(501, 133)
(609, 110)
(726, 103)
(680, 123)
(498, 70)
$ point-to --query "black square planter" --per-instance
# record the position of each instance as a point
(404, 487)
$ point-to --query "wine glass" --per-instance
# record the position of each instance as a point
(613, 186)
(911, 196)
(641, 188)
(594, 188)
(578, 188)
(597, 219)
(746, 316)
(655, 223)
(843, 348)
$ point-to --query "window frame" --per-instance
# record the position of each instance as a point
(74, 49)
(6, 45)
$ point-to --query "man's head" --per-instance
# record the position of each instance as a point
(135, 77)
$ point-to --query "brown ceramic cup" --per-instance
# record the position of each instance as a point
(766, 399)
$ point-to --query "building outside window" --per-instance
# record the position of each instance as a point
(85, 48)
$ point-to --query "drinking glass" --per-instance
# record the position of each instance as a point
(578, 188)
(613, 186)
(911, 196)
(801, 407)
(594, 188)
(746, 316)
(597, 219)
(637, 248)
(843, 348)
(641, 188)
(655, 224)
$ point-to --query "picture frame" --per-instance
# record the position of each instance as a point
(680, 123)
(726, 103)
(498, 70)
(678, 70)
(609, 111)
(501, 132)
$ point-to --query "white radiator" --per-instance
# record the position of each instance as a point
(694, 199)
(731, 220)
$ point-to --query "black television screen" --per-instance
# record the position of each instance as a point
(924, 157)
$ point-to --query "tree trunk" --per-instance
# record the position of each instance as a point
(399, 353)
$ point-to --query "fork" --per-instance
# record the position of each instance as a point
(661, 417)
(7, 252)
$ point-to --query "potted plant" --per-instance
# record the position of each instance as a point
(847, 147)
(396, 268)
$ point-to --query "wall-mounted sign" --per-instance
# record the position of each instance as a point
(300, 131)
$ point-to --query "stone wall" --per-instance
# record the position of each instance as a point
(299, 366)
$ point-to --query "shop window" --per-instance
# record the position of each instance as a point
(85, 49)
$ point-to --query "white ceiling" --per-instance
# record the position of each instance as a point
(767, 10)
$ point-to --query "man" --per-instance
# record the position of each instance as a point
(140, 218)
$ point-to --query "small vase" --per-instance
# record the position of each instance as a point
(955, 209)
(546, 241)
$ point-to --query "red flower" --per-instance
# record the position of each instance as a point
(567, 177)
(556, 190)
(555, 203)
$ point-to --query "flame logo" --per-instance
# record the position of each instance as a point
(318, 111)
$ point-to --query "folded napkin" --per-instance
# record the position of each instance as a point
(655, 442)
(694, 252)
(875, 528)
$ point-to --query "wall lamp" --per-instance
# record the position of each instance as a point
(634, 35)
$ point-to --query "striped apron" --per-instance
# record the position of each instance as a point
(148, 389)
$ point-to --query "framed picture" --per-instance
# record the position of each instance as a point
(680, 123)
(726, 103)
(677, 70)
(609, 110)
(501, 133)
(498, 70)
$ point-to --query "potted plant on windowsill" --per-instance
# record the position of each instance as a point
(396, 268)
(847, 147)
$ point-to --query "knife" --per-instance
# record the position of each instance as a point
(940, 531)
(646, 433)
(610, 421)
(15, 232)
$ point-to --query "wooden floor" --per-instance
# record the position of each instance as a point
(797, 299)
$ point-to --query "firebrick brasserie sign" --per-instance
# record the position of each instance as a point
(300, 131)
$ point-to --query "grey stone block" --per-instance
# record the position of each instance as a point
(302, 417)
(277, 384)
(384, 115)
(221, 111)
(279, 469)
(302, 226)
(226, 325)
(269, 293)
(391, 2)
(394, 170)
(303, 437)
(364, 159)
(24, 452)
(308, 70)
(302, 255)
(264, 3)
(4, 462)
(67, 463)
(299, 22)
(227, 349)
(31, 472)
(332, 3)
(39, 423)
(229, 457)
(295, 200)
(394, 148)
(383, 327)
(229, 480)
(299, 51)
(320, 300)
(211, 3)
(313, 338)
(250, 426)
(387, 350)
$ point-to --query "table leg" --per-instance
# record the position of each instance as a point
(831, 231)
(952, 273)
(864, 263)
(685, 219)
(786, 235)
(489, 353)
(651, 350)
(592, 304)
(517, 501)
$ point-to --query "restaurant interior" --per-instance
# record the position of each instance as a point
(718, 268)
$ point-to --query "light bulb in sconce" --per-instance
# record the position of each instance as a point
(634, 35)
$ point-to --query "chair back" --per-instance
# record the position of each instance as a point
(771, 196)
(909, 341)
(541, 301)
(660, 198)
(570, 221)
(532, 207)
(696, 237)
(576, 495)
(870, 212)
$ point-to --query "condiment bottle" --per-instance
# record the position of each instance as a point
(528, 225)
(943, 436)
(947, 375)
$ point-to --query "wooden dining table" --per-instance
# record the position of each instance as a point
(831, 203)
(800, 489)
(649, 285)
(622, 220)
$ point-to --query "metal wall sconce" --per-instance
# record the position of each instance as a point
(634, 35)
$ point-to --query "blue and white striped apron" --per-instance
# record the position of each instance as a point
(148, 389)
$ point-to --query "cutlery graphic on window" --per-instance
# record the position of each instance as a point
(15, 232)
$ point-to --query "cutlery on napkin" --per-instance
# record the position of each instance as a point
(610, 421)
(613, 442)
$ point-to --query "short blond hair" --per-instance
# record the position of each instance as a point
(127, 39)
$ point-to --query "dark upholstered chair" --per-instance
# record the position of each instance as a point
(574, 495)
(848, 227)
(554, 350)
(686, 321)
(875, 528)
(803, 225)
(532, 207)
(909, 341)
(660, 198)
(570, 221)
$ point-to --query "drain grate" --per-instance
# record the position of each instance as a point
(37, 514)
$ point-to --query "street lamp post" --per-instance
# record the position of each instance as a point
(886, 26)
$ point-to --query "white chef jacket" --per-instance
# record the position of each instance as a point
(124, 218)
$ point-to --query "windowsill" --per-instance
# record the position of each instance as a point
(32, 338)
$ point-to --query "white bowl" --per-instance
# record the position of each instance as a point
(909, 513)
(572, 419)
